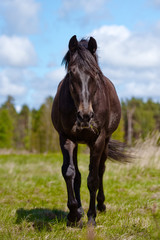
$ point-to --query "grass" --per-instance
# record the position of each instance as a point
(33, 198)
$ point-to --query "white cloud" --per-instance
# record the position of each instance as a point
(83, 11)
(46, 85)
(18, 83)
(56, 75)
(21, 16)
(142, 90)
(130, 60)
(122, 75)
(50, 81)
(89, 6)
(16, 51)
(11, 83)
(27, 87)
(120, 47)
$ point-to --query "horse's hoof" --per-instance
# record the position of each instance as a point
(101, 208)
(78, 224)
(91, 222)
(74, 216)
(81, 211)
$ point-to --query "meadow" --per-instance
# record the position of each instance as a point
(33, 198)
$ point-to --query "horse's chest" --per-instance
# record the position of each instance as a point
(85, 135)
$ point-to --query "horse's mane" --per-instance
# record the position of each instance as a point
(83, 58)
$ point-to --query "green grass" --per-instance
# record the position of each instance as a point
(33, 199)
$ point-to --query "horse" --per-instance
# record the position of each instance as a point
(86, 109)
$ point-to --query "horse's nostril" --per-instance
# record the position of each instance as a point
(91, 114)
(79, 116)
(84, 117)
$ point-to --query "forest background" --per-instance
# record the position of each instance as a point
(32, 129)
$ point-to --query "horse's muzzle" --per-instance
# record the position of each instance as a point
(83, 119)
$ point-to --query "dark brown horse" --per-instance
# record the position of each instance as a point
(86, 109)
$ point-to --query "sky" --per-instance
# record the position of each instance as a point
(34, 36)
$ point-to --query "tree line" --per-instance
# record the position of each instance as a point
(32, 130)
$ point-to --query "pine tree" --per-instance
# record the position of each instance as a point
(24, 128)
(6, 129)
(9, 106)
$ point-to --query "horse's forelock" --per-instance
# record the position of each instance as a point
(83, 58)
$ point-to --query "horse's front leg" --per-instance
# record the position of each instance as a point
(93, 178)
(69, 149)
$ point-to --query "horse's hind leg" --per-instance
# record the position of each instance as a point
(69, 149)
(100, 197)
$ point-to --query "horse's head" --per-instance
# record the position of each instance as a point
(83, 74)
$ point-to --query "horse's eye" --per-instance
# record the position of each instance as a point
(72, 70)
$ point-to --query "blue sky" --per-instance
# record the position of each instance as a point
(34, 37)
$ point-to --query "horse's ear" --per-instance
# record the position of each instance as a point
(73, 44)
(92, 45)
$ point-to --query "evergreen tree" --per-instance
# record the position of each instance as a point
(33, 130)
(6, 129)
(44, 137)
(9, 106)
(24, 128)
(141, 118)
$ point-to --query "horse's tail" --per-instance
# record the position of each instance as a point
(117, 152)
